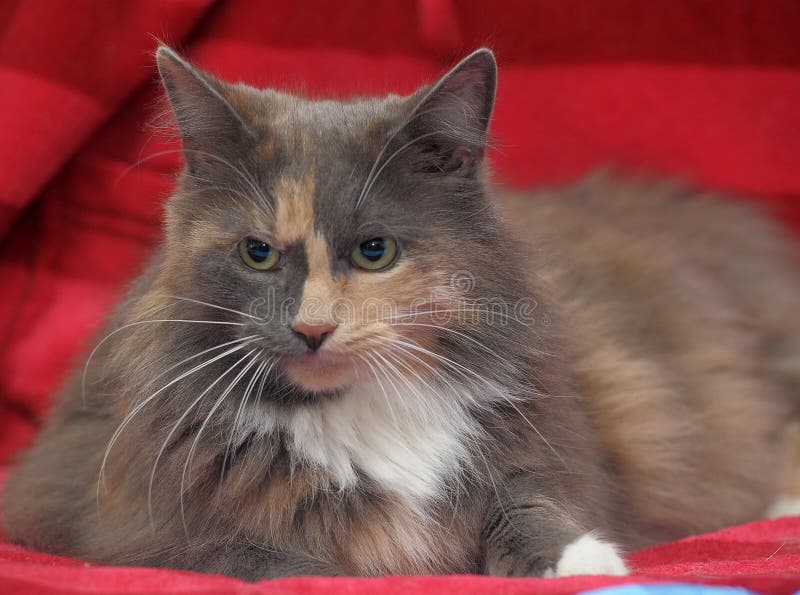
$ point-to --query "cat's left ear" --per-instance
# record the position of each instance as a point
(451, 119)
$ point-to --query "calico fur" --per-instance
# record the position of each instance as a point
(540, 382)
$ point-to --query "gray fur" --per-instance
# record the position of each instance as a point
(551, 452)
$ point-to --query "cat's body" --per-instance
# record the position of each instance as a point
(620, 358)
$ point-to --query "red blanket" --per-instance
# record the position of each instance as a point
(705, 90)
(763, 557)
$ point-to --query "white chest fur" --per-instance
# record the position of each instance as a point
(410, 442)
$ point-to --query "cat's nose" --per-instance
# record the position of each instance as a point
(313, 334)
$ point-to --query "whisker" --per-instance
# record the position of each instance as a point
(507, 398)
(129, 417)
(389, 160)
(205, 185)
(447, 130)
(468, 338)
(414, 115)
(422, 402)
(142, 161)
(181, 150)
(256, 190)
(496, 491)
(447, 361)
(202, 353)
(380, 384)
(447, 382)
(378, 369)
(264, 368)
(212, 411)
(535, 429)
(423, 406)
(154, 311)
(137, 323)
(391, 348)
(175, 429)
(196, 301)
(465, 310)
(240, 173)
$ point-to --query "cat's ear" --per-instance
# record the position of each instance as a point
(452, 117)
(202, 106)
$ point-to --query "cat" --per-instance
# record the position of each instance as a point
(353, 355)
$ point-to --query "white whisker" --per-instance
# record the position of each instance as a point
(380, 384)
(137, 323)
(129, 417)
(467, 337)
(209, 415)
(209, 304)
(393, 368)
(389, 160)
(411, 118)
(202, 353)
(258, 192)
(175, 429)
(507, 398)
(264, 369)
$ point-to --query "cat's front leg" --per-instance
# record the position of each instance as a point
(534, 535)
(252, 562)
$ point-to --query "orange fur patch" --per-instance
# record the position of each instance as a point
(294, 210)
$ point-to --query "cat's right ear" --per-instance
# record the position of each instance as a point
(202, 106)
(451, 118)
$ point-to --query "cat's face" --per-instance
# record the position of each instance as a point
(346, 236)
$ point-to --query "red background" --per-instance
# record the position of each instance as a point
(706, 90)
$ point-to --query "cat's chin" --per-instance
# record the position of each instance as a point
(319, 373)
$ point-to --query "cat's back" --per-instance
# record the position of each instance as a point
(616, 236)
(679, 309)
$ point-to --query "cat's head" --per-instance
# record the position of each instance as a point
(340, 237)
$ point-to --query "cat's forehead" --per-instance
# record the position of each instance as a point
(314, 156)
(292, 120)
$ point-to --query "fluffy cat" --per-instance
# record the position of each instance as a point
(351, 355)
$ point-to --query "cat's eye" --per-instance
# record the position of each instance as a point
(374, 254)
(259, 255)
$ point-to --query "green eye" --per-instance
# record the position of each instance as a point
(259, 255)
(375, 254)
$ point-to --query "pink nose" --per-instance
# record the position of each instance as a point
(313, 334)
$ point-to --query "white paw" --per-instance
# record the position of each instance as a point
(784, 507)
(590, 555)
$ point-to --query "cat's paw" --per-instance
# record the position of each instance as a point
(785, 506)
(589, 555)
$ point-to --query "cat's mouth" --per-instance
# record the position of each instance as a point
(321, 371)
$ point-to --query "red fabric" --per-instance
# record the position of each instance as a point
(763, 557)
(702, 89)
